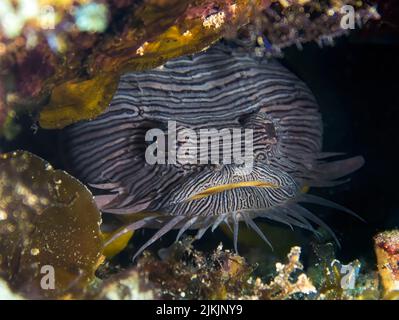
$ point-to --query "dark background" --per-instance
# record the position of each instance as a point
(356, 84)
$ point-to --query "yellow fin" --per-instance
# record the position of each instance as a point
(117, 245)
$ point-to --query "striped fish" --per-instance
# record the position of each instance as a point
(221, 88)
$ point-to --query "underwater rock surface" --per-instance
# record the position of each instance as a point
(50, 242)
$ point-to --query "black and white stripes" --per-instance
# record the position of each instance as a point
(219, 88)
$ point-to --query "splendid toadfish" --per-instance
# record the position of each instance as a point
(221, 136)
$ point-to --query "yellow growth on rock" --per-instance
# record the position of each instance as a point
(386, 245)
(76, 100)
(147, 46)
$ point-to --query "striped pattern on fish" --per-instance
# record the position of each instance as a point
(215, 89)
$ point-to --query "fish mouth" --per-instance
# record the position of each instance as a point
(230, 186)
(228, 190)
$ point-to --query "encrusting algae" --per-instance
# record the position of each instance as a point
(82, 66)
(43, 230)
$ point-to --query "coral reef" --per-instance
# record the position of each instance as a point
(64, 58)
(191, 274)
(285, 23)
(72, 64)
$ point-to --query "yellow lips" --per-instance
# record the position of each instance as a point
(230, 186)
